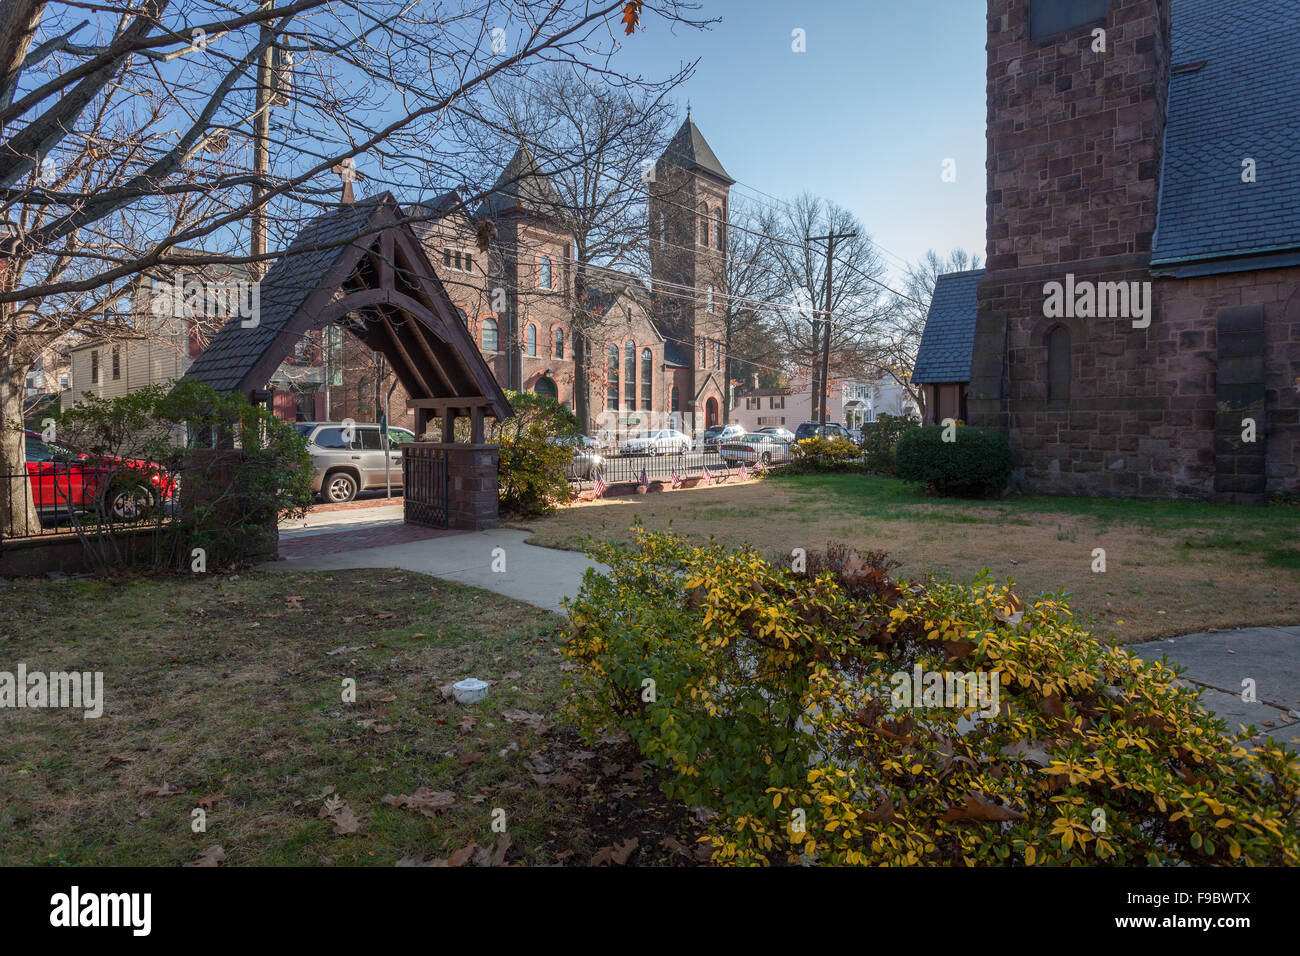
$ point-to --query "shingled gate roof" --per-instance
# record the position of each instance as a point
(359, 266)
(1244, 102)
(949, 336)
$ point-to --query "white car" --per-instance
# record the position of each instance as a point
(665, 441)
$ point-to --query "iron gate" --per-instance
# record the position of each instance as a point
(425, 484)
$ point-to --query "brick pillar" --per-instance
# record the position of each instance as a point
(472, 487)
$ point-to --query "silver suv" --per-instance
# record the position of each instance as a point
(341, 468)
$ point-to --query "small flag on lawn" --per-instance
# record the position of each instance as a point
(600, 487)
(744, 474)
(645, 482)
(677, 479)
(760, 466)
(706, 478)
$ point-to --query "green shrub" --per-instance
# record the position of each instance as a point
(881, 437)
(774, 698)
(236, 470)
(533, 477)
(976, 463)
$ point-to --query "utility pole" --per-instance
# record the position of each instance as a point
(826, 316)
(261, 149)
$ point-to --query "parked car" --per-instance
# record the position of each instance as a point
(750, 449)
(814, 429)
(856, 436)
(778, 431)
(341, 469)
(717, 434)
(586, 465)
(63, 479)
(663, 441)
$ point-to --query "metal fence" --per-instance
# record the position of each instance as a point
(628, 468)
(55, 498)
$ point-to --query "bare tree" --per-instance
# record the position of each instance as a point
(125, 133)
(859, 303)
(754, 282)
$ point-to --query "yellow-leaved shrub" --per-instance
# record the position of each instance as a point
(766, 695)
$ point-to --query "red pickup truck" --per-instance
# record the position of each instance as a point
(64, 479)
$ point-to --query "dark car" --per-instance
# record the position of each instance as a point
(815, 429)
(715, 435)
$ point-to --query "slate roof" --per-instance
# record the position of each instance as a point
(523, 184)
(1244, 102)
(234, 352)
(690, 150)
(949, 336)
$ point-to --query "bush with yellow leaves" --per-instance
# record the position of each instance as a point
(775, 698)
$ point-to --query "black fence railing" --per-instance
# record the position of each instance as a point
(53, 498)
(617, 469)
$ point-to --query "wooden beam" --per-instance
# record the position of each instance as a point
(401, 349)
(452, 384)
(454, 401)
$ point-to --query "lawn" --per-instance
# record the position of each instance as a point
(1172, 567)
(225, 695)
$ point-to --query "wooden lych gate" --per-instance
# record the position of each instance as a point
(362, 268)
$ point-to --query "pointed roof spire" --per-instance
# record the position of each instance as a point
(522, 185)
(689, 150)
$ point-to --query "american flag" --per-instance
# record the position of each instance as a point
(743, 474)
(677, 479)
(645, 482)
(600, 487)
(706, 478)
(760, 466)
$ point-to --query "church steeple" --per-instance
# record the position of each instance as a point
(690, 150)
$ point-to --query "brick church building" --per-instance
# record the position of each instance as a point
(1136, 330)
(656, 356)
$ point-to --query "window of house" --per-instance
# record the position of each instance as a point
(1058, 365)
(94, 366)
(717, 230)
(611, 373)
(1049, 17)
(559, 343)
(704, 225)
(676, 399)
(117, 363)
(717, 355)
(544, 272)
(708, 304)
(469, 262)
(457, 260)
(446, 258)
(532, 339)
(629, 373)
(489, 336)
(647, 377)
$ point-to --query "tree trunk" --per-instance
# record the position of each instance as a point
(17, 513)
(578, 332)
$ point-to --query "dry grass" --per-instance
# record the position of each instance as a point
(227, 687)
(1171, 567)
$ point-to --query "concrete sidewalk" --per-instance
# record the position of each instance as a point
(540, 576)
(1218, 662)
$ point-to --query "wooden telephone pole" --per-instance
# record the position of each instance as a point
(821, 398)
(261, 150)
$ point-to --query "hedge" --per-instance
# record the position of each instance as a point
(771, 696)
(955, 459)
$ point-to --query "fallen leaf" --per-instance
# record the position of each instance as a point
(166, 790)
(618, 854)
(212, 856)
(976, 806)
(426, 801)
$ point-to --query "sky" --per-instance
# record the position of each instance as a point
(886, 91)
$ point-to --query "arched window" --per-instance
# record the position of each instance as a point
(546, 386)
(532, 339)
(708, 304)
(717, 230)
(676, 399)
(559, 342)
(544, 271)
(1058, 365)
(647, 377)
(611, 392)
(717, 355)
(704, 225)
(489, 336)
(629, 374)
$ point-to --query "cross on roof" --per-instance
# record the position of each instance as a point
(347, 170)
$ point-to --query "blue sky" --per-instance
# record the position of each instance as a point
(884, 94)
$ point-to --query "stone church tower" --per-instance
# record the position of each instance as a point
(689, 201)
